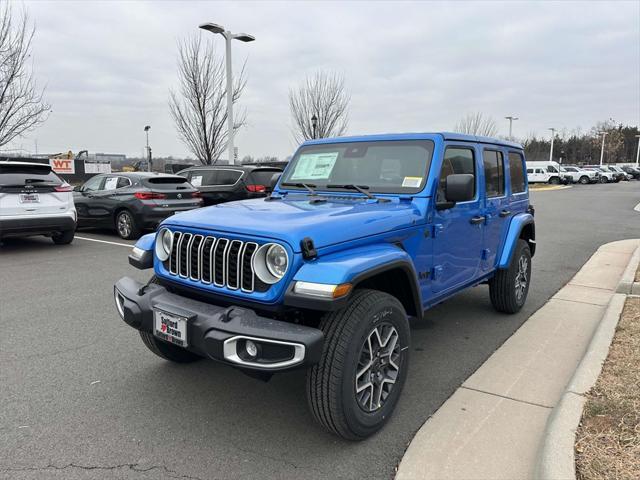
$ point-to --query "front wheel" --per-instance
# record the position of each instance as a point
(584, 180)
(355, 387)
(554, 181)
(604, 180)
(509, 287)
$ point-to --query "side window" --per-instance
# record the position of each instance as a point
(493, 162)
(552, 169)
(529, 170)
(227, 177)
(456, 160)
(123, 182)
(93, 184)
(516, 172)
(111, 183)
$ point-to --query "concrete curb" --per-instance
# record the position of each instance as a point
(627, 284)
(550, 188)
(556, 460)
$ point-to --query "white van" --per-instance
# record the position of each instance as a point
(35, 201)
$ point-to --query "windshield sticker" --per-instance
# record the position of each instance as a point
(412, 182)
(196, 180)
(314, 166)
(111, 183)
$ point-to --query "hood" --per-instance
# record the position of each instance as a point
(294, 218)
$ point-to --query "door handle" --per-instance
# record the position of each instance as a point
(505, 213)
(477, 220)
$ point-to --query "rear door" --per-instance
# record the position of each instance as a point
(457, 243)
(497, 210)
(32, 190)
(104, 203)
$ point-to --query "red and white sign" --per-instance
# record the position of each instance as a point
(62, 165)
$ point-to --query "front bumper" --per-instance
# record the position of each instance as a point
(37, 225)
(215, 332)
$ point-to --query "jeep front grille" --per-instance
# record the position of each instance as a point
(212, 260)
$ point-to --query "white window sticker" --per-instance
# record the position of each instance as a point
(411, 182)
(111, 183)
(314, 166)
(196, 180)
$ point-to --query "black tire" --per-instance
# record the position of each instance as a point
(503, 287)
(604, 179)
(126, 225)
(167, 351)
(584, 180)
(63, 238)
(554, 181)
(331, 384)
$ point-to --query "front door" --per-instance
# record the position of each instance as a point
(457, 242)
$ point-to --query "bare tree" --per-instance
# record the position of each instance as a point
(477, 124)
(322, 95)
(199, 107)
(21, 102)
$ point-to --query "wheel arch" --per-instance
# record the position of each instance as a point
(523, 227)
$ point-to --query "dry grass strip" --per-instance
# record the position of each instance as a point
(608, 439)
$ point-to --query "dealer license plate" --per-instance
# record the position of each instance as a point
(29, 198)
(170, 328)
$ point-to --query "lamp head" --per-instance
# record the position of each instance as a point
(212, 27)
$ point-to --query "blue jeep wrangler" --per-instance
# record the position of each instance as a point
(360, 236)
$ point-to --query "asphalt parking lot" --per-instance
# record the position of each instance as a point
(83, 398)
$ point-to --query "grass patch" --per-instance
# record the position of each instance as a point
(608, 438)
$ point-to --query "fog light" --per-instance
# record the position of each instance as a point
(251, 349)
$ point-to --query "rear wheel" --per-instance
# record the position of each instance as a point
(126, 225)
(63, 238)
(584, 180)
(355, 387)
(509, 287)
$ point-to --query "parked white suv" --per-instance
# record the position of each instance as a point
(35, 201)
(581, 175)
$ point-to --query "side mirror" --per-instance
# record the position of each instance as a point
(275, 178)
(459, 187)
(77, 188)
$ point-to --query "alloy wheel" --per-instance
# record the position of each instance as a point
(378, 367)
(522, 277)
(124, 225)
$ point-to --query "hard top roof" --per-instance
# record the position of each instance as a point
(417, 136)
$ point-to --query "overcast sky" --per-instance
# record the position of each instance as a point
(414, 66)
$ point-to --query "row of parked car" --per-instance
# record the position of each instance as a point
(36, 201)
(556, 174)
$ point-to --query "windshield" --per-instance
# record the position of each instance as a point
(382, 166)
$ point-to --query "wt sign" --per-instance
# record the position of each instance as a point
(61, 165)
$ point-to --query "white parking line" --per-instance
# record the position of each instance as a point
(104, 241)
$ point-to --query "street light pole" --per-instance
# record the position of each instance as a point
(604, 134)
(314, 124)
(511, 119)
(553, 136)
(638, 152)
(228, 36)
(146, 129)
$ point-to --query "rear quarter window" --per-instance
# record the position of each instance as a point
(516, 172)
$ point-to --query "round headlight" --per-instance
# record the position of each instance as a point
(277, 261)
(164, 242)
(270, 263)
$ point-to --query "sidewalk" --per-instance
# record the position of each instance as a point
(492, 426)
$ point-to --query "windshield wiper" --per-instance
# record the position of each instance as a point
(360, 188)
(308, 186)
